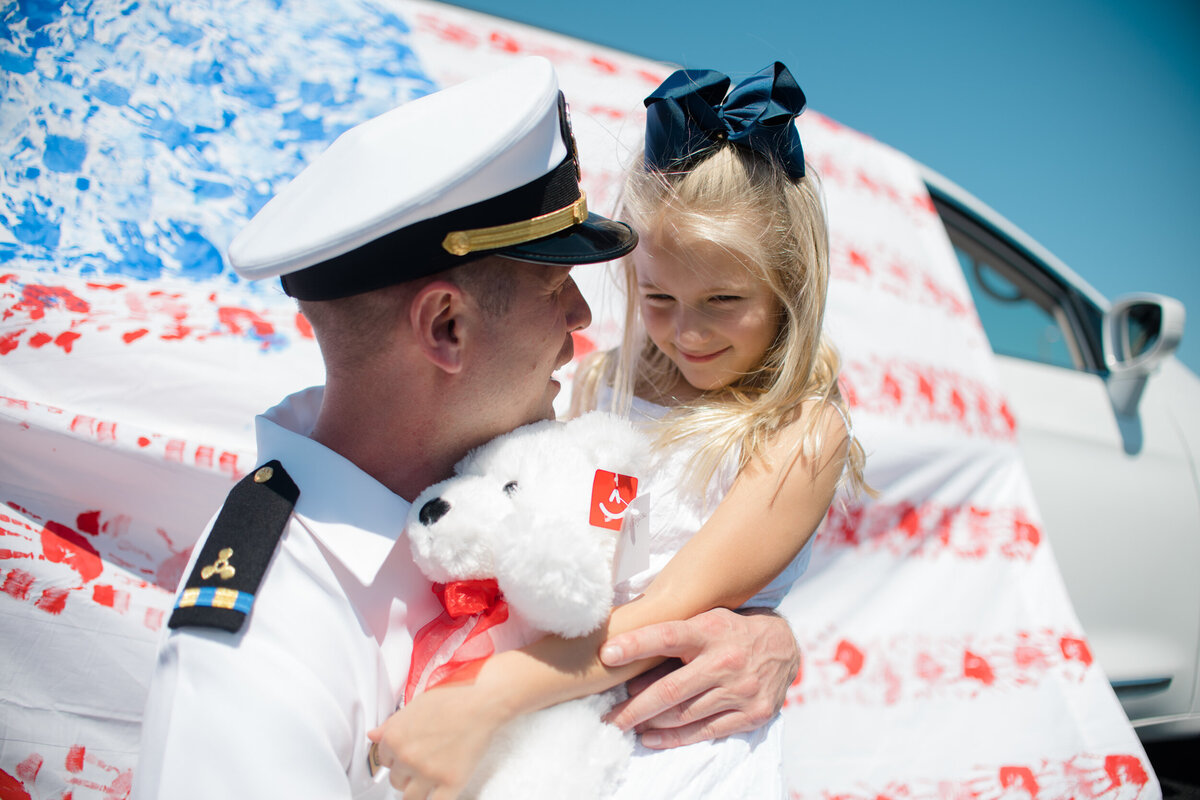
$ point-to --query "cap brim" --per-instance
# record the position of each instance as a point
(596, 239)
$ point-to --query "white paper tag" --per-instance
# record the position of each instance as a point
(633, 545)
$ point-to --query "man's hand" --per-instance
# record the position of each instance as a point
(729, 674)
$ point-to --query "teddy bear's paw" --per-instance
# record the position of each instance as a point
(561, 589)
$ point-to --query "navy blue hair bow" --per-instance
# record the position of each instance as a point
(689, 112)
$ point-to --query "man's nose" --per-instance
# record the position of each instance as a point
(579, 314)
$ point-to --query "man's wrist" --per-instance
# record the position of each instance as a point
(784, 629)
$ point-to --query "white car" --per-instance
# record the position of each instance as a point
(1109, 426)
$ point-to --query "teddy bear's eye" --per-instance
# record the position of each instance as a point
(510, 487)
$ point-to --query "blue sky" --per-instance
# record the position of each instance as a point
(1078, 121)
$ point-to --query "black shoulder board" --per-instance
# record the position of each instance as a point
(220, 591)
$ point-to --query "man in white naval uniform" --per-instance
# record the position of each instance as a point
(431, 249)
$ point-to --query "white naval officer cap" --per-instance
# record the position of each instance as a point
(486, 167)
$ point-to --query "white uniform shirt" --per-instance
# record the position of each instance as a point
(282, 708)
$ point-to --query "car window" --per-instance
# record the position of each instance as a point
(1026, 310)
(1015, 323)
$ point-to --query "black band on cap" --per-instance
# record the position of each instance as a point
(416, 251)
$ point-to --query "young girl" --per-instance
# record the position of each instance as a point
(725, 359)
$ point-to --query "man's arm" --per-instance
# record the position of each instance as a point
(735, 672)
(233, 720)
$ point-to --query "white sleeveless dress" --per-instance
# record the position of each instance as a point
(747, 765)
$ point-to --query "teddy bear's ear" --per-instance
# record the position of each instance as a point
(612, 439)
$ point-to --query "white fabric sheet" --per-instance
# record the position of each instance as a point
(942, 655)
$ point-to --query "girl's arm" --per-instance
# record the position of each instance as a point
(774, 505)
(769, 513)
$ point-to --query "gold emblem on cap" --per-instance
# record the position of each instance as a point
(565, 118)
(263, 475)
(460, 243)
(220, 567)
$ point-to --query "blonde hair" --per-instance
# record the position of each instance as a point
(746, 204)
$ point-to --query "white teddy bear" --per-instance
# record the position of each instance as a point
(540, 511)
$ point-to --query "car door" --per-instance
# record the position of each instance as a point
(1116, 490)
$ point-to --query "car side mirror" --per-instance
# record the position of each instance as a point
(1140, 332)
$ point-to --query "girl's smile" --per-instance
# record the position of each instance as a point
(700, 359)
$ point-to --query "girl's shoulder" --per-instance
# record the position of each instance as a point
(818, 413)
(816, 428)
(830, 415)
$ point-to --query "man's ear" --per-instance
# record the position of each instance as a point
(437, 314)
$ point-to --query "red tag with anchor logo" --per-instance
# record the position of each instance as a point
(611, 495)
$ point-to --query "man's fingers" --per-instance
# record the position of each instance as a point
(697, 708)
(614, 713)
(695, 691)
(639, 683)
(714, 727)
(668, 691)
(666, 639)
(689, 710)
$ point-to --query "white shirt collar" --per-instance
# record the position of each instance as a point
(356, 518)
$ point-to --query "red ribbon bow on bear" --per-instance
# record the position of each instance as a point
(463, 598)
(464, 601)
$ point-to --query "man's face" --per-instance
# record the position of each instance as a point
(522, 347)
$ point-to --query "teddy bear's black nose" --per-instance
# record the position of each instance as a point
(432, 511)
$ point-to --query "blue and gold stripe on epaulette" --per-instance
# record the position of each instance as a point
(215, 597)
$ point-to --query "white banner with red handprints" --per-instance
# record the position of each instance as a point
(942, 656)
